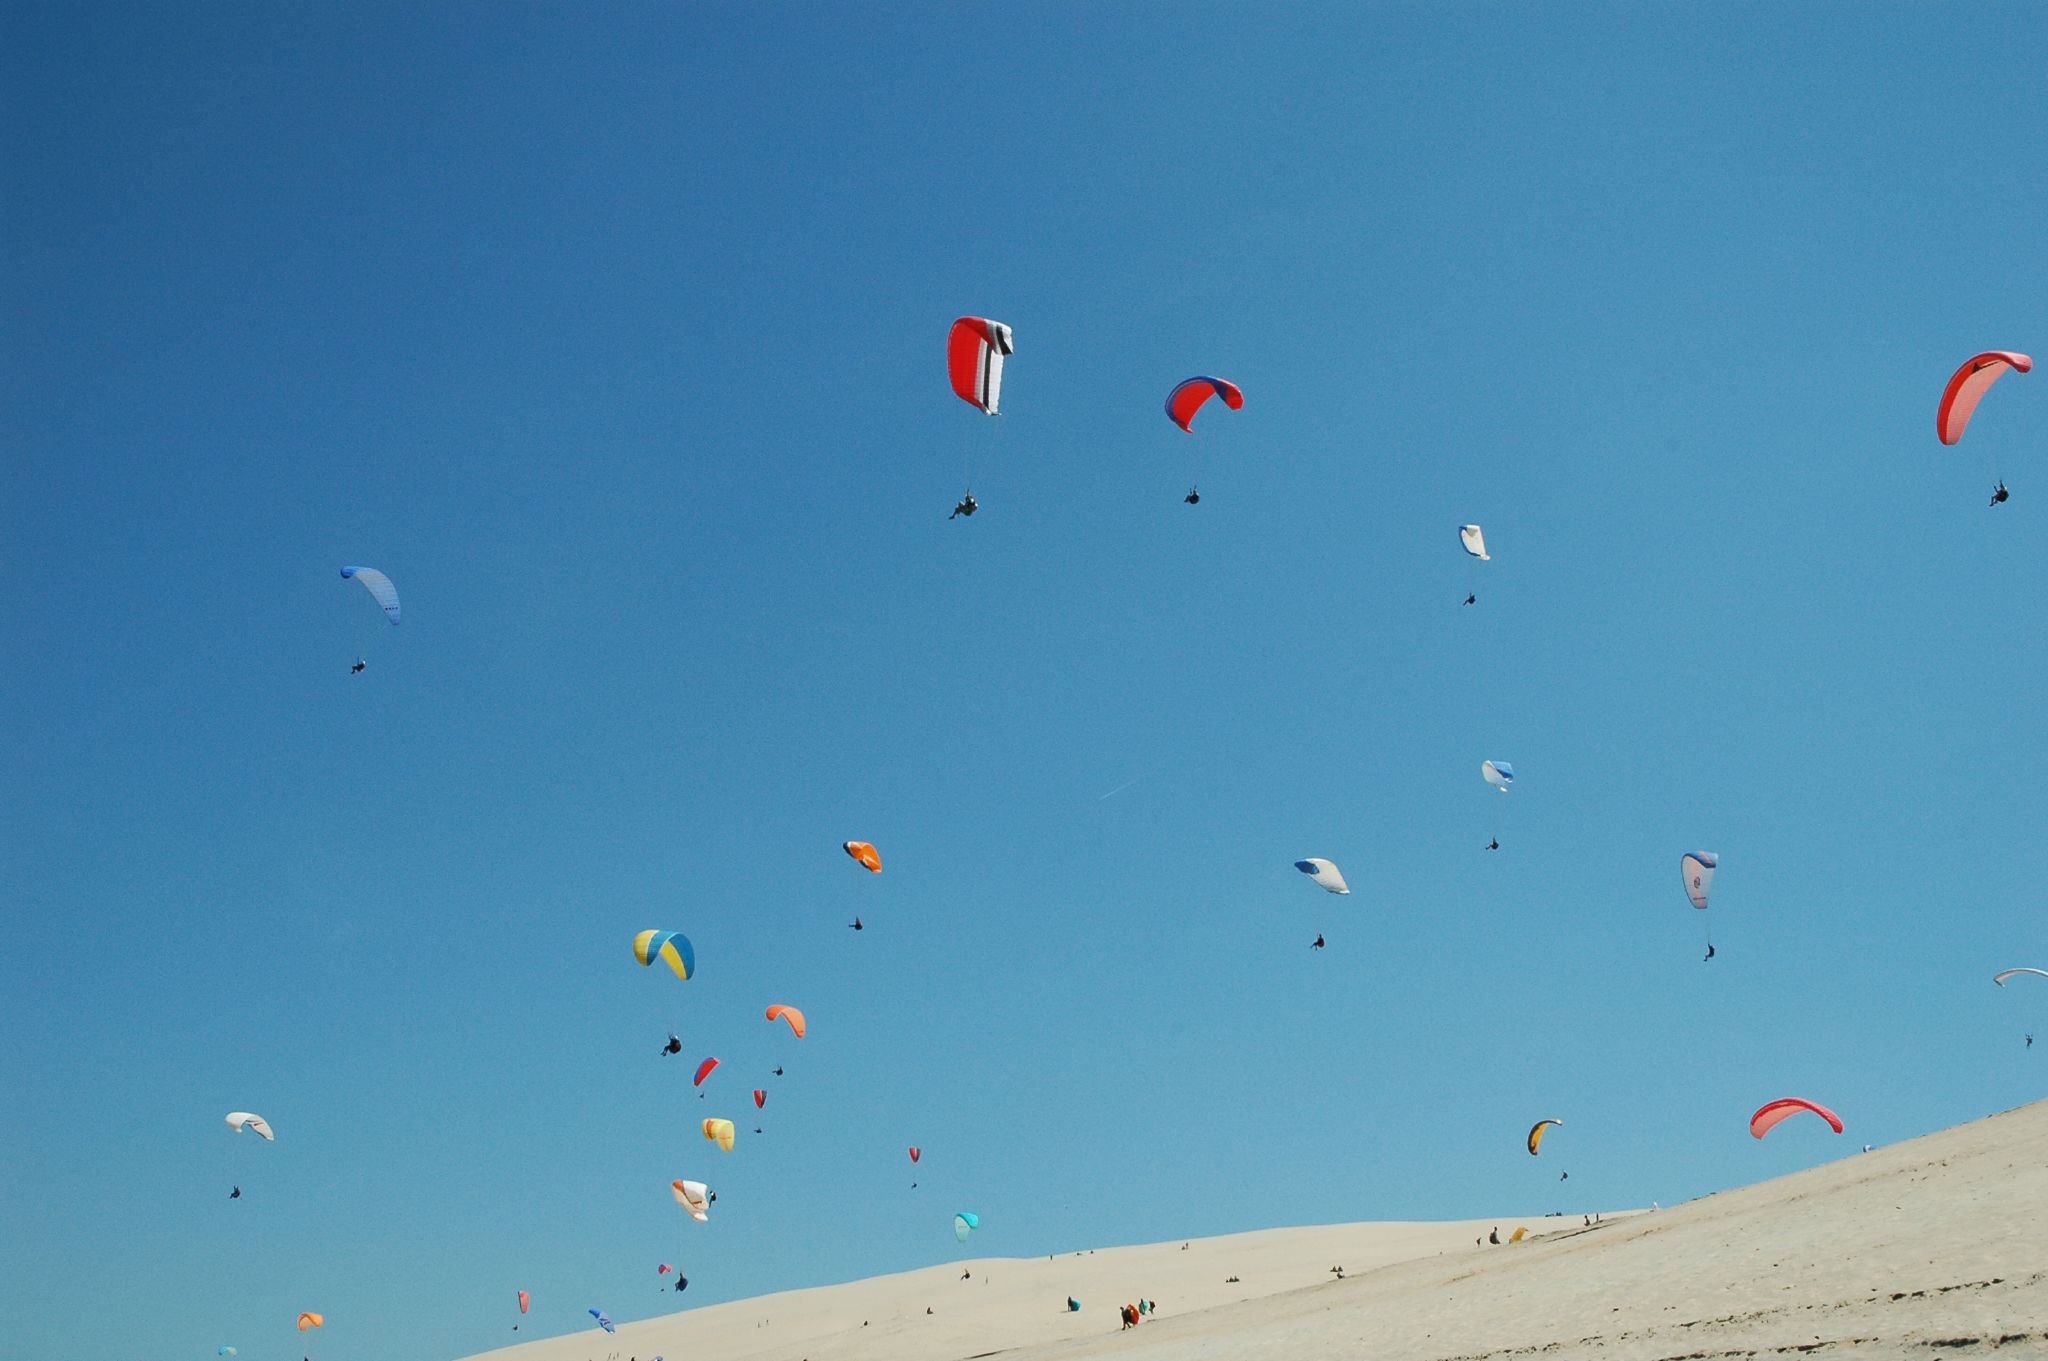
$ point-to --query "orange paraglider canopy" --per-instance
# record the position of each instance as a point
(778, 1012)
(312, 1321)
(1968, 386)
(865, 853)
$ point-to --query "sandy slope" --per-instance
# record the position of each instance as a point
(1907, 1251)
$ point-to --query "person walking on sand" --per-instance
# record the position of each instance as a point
(1494, 1237)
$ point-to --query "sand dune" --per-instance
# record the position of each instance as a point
(1928, 1248)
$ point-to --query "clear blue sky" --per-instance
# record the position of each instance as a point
(615, 334)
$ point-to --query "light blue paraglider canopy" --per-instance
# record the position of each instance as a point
(379, 586)
(964, 1223)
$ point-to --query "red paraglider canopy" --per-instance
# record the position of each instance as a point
(1775, 1113)
(760, 1098)
(1185, 400)
(975, 347)
(1959, 399)
(915, 1153)
(703, 1071)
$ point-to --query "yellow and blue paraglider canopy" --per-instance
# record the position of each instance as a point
(670, 947)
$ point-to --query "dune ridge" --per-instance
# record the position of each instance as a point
(1925, 1248)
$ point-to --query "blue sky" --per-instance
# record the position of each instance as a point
(615, 335)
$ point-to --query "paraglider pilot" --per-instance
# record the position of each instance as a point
(357, 669)
(674, 1046)
(1472, 599)
(1493, 845)
(1709, 954)
(1999, 493)
(968, 505)
(1318, 944)
(1194, 496)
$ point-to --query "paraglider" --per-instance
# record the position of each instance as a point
(1474, 540)
(703, 1071)
(670, 947)
(2000, 978)
(1499, 774)
(663, 1269)
(1697, 868)
(674, 1045)
(310, 1320)
(760, 1098)
(790, 1015)
(255, 1124)
(602, 1321)
(693, 1196)
(915, 1153)
(223, 1351)
(1774, 1113)
(975, 349)
(1325, 873)
(719, 1132)
(865, 853)
(1536, 1134)
(235, 1194)
(524, 1300)
(965, 1223)
(1967, 386)
(1186, 399)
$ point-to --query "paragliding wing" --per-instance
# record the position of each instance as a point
(1774, 1113)
(1698, 868)
(703, 1071)
(1186, 399)
(760, 1098)
(965, 1223)
(1536, 1134)
(915, 1153)
(256, 1124)
(719, 1132)
(1499, 774)
(693, 1196)
(663, 1269)
(1968, 386)
(602, 1321)
(1474, 539)
(974, 358)
(795, 1018)
(312, 1321)
(379, 586)
(670, 947)
(2000, 978)
(524, 1300)
(865, 853)
(1324, 873)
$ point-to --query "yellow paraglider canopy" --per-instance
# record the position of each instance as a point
(719, 1132)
